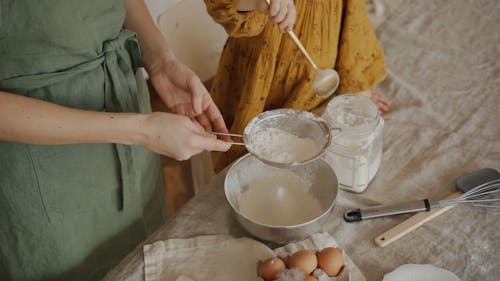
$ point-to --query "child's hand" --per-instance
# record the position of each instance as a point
(281, 11)
(379, 99)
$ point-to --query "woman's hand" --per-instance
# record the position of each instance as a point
(177, 136)
(183, 93)
(179, 88)
(281, 11)
(379, 99)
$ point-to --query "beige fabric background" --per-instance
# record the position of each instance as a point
(444, 79)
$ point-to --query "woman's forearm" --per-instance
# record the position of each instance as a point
(33, 121)
(153, 45)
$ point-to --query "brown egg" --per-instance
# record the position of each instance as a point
(270, 268)
(310, 278)
(305, 260)
(331, 261)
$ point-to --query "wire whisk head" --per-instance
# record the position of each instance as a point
(486, 195)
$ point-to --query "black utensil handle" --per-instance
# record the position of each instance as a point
(354, 215)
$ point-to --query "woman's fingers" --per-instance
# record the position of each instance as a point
(198, 92)
(196, 141)
(209, 143)
(217, 121)
(179, 137)
(204, 121)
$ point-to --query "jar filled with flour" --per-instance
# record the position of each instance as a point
(356, 154)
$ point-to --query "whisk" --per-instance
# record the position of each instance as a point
(485, 195)
(480, 196)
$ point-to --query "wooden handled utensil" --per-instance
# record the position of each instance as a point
(327, 80)
(464, 184)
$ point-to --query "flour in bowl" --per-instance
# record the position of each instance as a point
(283, 147)
(281, 198)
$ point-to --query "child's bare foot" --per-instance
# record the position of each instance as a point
(379, 99)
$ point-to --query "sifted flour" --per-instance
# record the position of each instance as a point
(279, 199)
(280, 146)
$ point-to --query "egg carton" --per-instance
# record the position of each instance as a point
(316, 242)
(343, 275)
(296, 274)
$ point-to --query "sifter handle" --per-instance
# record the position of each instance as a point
(230, 135)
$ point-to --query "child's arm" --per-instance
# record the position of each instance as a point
(281, 12)
(247, 18)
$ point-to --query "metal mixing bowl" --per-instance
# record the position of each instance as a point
(302, 124)
(323, 185)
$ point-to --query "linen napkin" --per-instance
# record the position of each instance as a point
(225, 258)
(204, 258)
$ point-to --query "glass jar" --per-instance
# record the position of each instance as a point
(354, 155)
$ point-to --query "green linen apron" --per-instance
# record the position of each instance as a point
(71, 212)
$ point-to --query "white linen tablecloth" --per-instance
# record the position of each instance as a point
(444, 81)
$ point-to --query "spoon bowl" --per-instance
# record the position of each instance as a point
(326, 82)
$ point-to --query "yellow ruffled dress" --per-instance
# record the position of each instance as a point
(262, 69)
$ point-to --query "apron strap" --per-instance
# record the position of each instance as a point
(122, 97)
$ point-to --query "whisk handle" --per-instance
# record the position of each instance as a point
(412, 223)
(354, 215)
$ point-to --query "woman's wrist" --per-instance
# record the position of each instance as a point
(109, 127)
(153, 58)
(133, 129)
